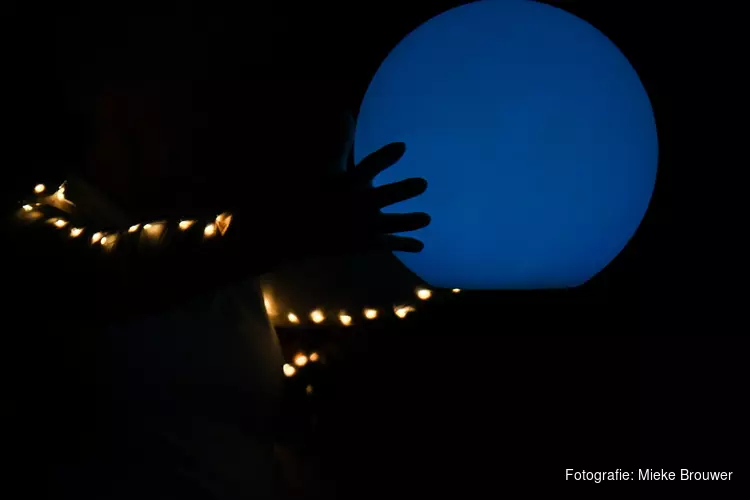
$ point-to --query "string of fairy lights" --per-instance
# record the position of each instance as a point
(34, 210)
(319, 316)
(107, 240)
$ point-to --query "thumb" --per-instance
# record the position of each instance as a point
(345, 141)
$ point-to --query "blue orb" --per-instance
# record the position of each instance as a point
(535, 135)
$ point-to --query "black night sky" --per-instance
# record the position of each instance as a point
(644, 366)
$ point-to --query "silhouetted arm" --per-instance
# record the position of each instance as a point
(118, 275)
(79, 392)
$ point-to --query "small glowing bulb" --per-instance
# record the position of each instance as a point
(401, 312)
(96, 237)
(104, 240)
(154, 230)
(314, 356)
(289, 370)
(346, 320)
(371, 313)
(300, 360)
(145, 226)
(293, 318)
(456, 290)
(185, 224)
(60, 195)
(28, 208)
(223, 221)
(135, 227)
(309, 389)
(75, 232)
(317, 316)
(39, 188)
(210, 230)
(60, 223)
(424, 293)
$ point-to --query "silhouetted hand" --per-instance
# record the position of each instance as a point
(336, 210)
(162, 154)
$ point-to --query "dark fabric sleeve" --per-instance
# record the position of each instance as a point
(138, 275)
(42, 281)
(58, 401)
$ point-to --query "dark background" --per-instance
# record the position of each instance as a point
(641, 367)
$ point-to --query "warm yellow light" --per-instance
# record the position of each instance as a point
(104, 240)
(75, 232)
(314, 356)
(210, 230)
(289, 370)
(145, 226)
(346, 320)
(185, 224)
(401, 312)
(309, 389)
(96, 237)
(300, 359)
(424, 293)
(456, 290)
(371, 313)
(60, 223)
(28, 208)
(317, 316)
(111, 239)
(60, 195)
(135, 227)
(34, 214)
(39, 188)
(292, 318)
(154, 229)
(223, 221)
(268, 303)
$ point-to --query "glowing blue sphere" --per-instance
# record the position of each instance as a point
(535, 134)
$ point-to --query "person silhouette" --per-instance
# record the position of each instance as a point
(166, 381)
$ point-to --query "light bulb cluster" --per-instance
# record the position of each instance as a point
(298, 361)
(107, 239)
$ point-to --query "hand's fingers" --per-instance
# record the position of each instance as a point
(378, 161)
(393, 243)
(389, 194)
(400, 223)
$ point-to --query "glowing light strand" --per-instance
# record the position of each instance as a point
(217, 226)
(59, 201)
